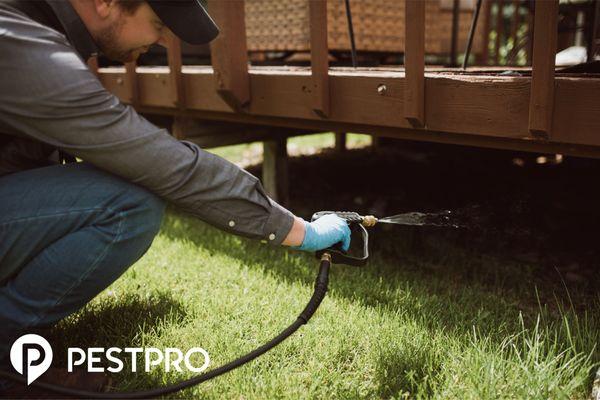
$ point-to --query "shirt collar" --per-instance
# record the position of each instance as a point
(76, 32)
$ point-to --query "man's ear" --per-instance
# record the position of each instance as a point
(104, 7)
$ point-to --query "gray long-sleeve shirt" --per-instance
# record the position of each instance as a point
(50, 100)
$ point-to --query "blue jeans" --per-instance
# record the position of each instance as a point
(66, 233)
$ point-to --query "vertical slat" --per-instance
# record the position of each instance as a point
(541, 102)
(414, 63)
(175, 74)
(319, 57)
(132, 83)
(514, 32)
(487, 9)
(454, 35)
(499, 31)
(229, 53)
(594, 46)
(529, 33)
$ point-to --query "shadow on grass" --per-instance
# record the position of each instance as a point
(407, 367)
(466, 291)
(115, 322)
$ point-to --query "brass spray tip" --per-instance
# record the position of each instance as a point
(369, 221)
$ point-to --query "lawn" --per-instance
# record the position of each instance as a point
(429, 317)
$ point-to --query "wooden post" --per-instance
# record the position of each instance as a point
(414, 63)
(340, 141)
(275, 170)
(175, 75)
(132, 82)
(181, 127)
(319, 57)
(541, 102)
(229, 53)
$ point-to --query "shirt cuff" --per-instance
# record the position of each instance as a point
(279, 224)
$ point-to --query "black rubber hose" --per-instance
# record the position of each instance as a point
(314, 302)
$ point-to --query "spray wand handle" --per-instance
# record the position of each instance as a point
(356, 222)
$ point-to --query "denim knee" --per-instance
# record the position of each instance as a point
(154, 210)
(142, 222)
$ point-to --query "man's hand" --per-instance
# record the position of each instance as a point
(319, 234)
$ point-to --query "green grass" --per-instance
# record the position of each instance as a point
(247, 153)
(445, 326)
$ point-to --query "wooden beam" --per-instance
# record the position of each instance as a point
(319, 57)
(132, 83)
(480, 105)
(275, 177)
(175, 75)
(541, 103)
(414, 63)
(508, 143)
(229, 53)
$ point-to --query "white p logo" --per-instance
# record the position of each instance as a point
(31, 355)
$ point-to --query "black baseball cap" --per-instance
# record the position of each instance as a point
(188, 20)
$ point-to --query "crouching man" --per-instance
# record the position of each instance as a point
(68, 230)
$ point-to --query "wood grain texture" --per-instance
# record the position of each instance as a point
(507, 143)
(541, 104)
(319, 57)
(476, 105)
(414, 62)
(229, 53)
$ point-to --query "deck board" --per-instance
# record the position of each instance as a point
(473, 104)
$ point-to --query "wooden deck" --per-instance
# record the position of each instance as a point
(535, 109)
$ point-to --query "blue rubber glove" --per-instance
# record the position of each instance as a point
(324, 233)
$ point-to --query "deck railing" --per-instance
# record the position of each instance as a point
(232, 82)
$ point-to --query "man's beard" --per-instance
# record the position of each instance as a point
(107, 42)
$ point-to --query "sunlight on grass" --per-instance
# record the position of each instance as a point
(251, 153)
(382, 332)
(400, 328)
